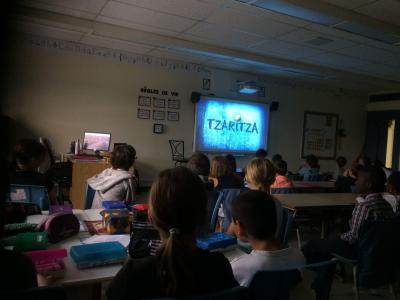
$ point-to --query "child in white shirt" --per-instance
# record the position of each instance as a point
(254, 221)
(393, 191)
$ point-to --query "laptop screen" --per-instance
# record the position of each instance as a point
(97, 141)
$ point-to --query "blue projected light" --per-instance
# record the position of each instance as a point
(230, 126)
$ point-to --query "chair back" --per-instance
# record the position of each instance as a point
(177, 150)
(236, 293)
(286, 227)
(228, 195)
(30, 194)
(274, 285)
(284, 190)
(378, 250)
(315, 177)
(89, 196)
(215, 205)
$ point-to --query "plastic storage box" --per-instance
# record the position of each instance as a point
(216, 240)
(113, 204)
(49, 262)
(92, 255)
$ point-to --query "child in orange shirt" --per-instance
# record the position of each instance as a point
(281, 181)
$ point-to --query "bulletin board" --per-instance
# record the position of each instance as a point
(319, 135)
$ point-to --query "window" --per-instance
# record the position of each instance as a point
(389, 144)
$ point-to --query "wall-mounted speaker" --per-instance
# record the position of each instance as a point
(195, 97)
(274, 106)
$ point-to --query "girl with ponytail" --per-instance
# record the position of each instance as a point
(178, 202)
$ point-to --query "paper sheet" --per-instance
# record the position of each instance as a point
(122, 238)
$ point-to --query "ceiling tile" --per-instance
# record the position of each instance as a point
(223, 35)
(252, 10)
(87, 9)
(283, 49)
(191, 9)
(142, 16)
(46, 31)
(127, 24)
(115, 44)
(351, 4)
(248, 23)
(368, 53)
(336, 61)
(300, 36)
(384, 10)
(329, 31)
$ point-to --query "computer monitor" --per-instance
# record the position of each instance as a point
(97, 141)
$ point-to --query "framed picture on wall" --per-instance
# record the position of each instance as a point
(144, 101)
(174, 103)
(158, 115)
(319, 135)
(173, 116)
(158, 102)
(143, 113)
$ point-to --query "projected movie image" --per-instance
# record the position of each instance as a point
(230, 126)
(97, 141)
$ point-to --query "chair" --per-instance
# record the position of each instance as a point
(178, 151)
(214, 212)
(287, 223)
(30, 194)
(284, 190)
(228, 195)
(89, 196)
(378, 250)
(315, 177)
(40, 293)
(236, 293)
(274, 285)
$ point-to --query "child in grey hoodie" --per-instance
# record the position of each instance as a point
(115, 183)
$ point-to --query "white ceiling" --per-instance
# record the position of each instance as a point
(249, 38)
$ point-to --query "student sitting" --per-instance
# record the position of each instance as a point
(222, 175)
(254, 221)
(179, 269)
(346, 183)
(276, 158)
(261, 153)
(27, 156)
(370, 205)
(311, 167)
(199, 164)
(341, 162)
(393, 191)
(281, 181)
(115, 183)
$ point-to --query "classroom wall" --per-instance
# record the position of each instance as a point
(60, 94)
(384, 105)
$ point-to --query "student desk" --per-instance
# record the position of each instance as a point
(319, 206)
(317, 200)
(81, 171)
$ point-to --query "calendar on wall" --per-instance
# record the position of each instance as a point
(319, 135)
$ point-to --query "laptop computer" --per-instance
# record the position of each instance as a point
(97, 141)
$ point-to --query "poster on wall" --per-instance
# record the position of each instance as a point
(144, 101)
(158, 115)
(143, 113)
(173, 116)
(158, 102)
(319, 135)
(174, 103)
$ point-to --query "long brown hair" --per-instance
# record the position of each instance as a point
(178, 202)
(219, 167)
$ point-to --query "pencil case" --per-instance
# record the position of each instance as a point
(27, 241)
(216, 240)
(98, 254)
(66, 208)
(60, 226)
(49, 262)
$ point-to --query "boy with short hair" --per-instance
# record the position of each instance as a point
(281, 180)
(254, 221)
(370, 205)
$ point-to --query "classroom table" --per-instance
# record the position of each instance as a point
(314, 184)
(316, 200)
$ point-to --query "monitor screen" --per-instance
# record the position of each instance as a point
(230, 126)
(97, 141)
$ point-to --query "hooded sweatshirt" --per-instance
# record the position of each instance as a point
(112, 184)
